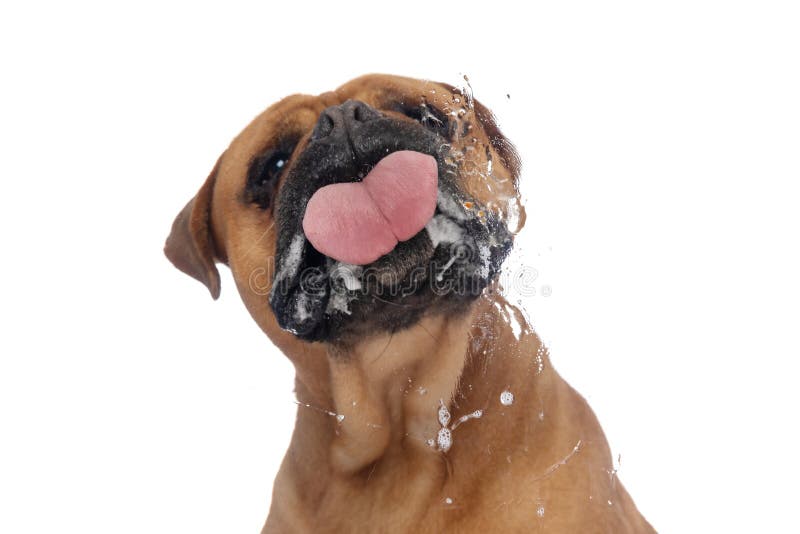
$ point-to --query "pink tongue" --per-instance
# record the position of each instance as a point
(360, 222)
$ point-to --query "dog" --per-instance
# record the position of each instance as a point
(366, 229)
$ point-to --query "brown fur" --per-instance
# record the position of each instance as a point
(541, 464)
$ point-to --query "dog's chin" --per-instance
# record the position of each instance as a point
(442, 269)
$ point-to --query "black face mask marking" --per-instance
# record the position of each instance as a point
(439, 270)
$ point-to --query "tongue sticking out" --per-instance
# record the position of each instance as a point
(360, 222)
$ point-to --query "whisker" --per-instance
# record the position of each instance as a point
(396, 303)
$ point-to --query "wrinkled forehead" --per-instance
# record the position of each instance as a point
(384, 92)
(289, 120)
(476, 142)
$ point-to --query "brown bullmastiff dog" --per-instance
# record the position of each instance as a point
(365, 229)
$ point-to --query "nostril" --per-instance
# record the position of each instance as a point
(324, 126)
(334, 121)
(361, 112)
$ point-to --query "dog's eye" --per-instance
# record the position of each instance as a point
(430, 117)
(262, 177)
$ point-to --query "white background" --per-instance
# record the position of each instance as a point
(660, 147)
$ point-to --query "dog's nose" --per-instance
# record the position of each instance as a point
(336, 121)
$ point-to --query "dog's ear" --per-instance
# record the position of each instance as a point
(190, 245)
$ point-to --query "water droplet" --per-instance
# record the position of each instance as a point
(444, 439)
(431, 442)
(610, 503)
(448, 500)
(540, 353)
(444, 415)
(540, 510)
(506, 398)
(477, 414)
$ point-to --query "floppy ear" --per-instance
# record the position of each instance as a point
(190, 246)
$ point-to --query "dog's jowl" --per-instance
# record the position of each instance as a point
(365, 229)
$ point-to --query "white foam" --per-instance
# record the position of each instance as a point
(449, 206)
(349, 274)
(506, 398)
(444, 439)
(301, 311)
(477, 414)
(444, 415)
(291, 261)
(339, 301)
(443, 230)
(486, 254)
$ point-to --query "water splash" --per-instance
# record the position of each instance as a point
(339, 417)
(444, 414)
(556, 466)
(477, 414)
(444, 437)
(612, 473)
(541, 352)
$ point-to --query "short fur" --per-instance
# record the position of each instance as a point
(374, 384)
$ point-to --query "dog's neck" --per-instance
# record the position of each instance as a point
(388, 390)
(366, 433)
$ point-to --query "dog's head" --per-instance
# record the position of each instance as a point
(357, 211)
